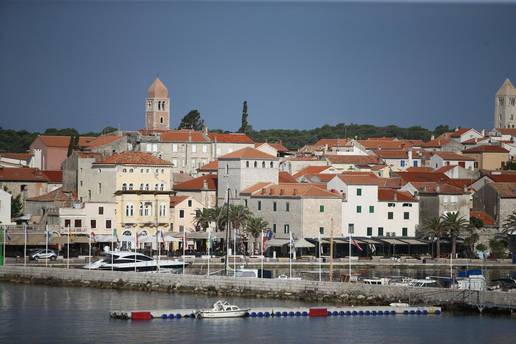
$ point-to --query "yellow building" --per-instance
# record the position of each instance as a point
(488, 157)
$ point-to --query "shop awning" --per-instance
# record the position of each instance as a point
(393, 241)
(414, 242)
(302, 243)
(277, 242)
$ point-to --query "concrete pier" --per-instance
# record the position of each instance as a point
(310, 291)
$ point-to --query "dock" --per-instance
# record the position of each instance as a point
(271, 312)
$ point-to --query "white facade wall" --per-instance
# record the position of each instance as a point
(223, 148)
(89, 218)
(437, 162)
(5, 207)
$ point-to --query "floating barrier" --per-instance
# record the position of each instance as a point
(284, 312)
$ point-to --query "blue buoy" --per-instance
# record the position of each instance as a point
(373, 312)
(367, 313)
(412, 311)
(267, 314)
(360, 313)
(425, 312)
(380, 312)
(437, 311)
(305, 313)
(348, 313)
(260, 314)
(284, 314)
(291, 314)
(335, 313)
(253, 314)
(418, 312)
(163, 316)
(341, 313)
(405, 312)
(393, 312)
(171, 316)
(178, 316)
(354, 313)
(277, 314)
(298, 314)
(329, 313)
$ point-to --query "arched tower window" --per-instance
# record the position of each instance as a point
(161, 120)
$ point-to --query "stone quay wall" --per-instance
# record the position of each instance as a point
(310, 291)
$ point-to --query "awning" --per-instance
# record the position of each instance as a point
(414, 242)
(33, 239)
(302, 243)
(371, 241)
(393, 241)
(277, 242)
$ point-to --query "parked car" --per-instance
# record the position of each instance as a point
(43, 254)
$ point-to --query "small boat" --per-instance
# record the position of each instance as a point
(222, 309)
(130, 261)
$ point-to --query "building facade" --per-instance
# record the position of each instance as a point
(505, 106)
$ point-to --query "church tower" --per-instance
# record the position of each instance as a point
(505, 106)
(157, 107)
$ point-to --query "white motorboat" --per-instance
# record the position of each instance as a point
(130, 261)
(222, 309)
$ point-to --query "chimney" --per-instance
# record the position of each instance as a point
(395, 196)
(205, 184)
(294, 192)
(205, 130)
(410, 162)
(281, 191)
(263, 191)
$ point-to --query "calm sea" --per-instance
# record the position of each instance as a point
(40, 314)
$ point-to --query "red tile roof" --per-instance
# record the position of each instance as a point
(383, 144)
(230, 138)
(507, 131)
(133, 158)
(22, 174)
(502, 176)
(419, 169)
(437, 188)
(358, 179)
(444, 169)
(212, 166)
(247, 153)
(311, 170)
(102, 140)
(459, 132)
(254, 188)
(285, 177)
(55, 196)
(331, 142)
(392, 183)
(393, 154)
(436, 143)
(63, 141)
(352, 159)
(207, 182)
(486, 149)
(422, 176)
(390, 195)
(294, 190)
(474, 140)
(482, 215)
(278, 146)
(16, 156)
(175, 200)
(461, 182)
(453, 156)
(183, 135)
(55, 177)
(504, 190)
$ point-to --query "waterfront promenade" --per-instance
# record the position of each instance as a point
(328, 292)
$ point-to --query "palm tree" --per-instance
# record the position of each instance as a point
(435, 229)
(509, 225)
(238, 216)
(203, 218)
(254, 226)
(454, 225)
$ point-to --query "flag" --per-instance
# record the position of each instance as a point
(93, 236)
(291, 241)
(161, 238)
(372, 247)
(115, 235)
(7, 236)
(355, 243)
(48, 234)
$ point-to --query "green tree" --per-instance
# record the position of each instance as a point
(61, 132)
(441, 129)
(509, 225)
(255, 226)
(454, 226)
(192, 120)
(203, 218)
(108, 130)
(481, 248)
(435, 229)
(73, 144)
(16, 207)
(245, 127)
(497, 248)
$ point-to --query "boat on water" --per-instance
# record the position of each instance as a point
(222, 309)
(130, 261)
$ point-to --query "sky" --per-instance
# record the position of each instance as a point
(299, 64)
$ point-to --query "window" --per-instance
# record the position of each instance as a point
(287, 207)
(402, 163)
(162, 210)
(108, 224)
(141, 186)
(100, 188)
(174, 147)
(93, 224)
(415, 163)
(181, 214)
(156, 187)
(404, 231)
(245, 202)
(227, 168)
(129, 210)
(390, 205)
(161, 120)
(247, 164)
(181, 229)
(407, 205)
(273, 228)
(371, 209)
(194, 148)
(259, 205)
(147, 187)
(255, 164)
(272, 164)
(67, 223)
(321, 208)
(204, 148)
(124, 170)
(162, 187)
(321, 230)
(131, 186)
(77, 223)
(390, 215)
(369, 231)
(101, 210)
(359, 209)
(174, 162)
(501, 101)
(263, 164)
(351, 228)
(124, 187)
(189, 202)
(131, 170)
(406, 215)
(141, 209)
(274, 206)
(359, 192)
(380, 231)
(286, 229)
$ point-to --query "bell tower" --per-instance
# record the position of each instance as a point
(157, 107)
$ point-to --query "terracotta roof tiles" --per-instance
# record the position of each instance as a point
(133, 158)
(207, 182)
(248, 153)
(486, 149)
(183, 135)
(294, 190)
(22, 174)
(230, 138)
(390, 195)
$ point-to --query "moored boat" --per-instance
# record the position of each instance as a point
(130, 261)
(222, 309)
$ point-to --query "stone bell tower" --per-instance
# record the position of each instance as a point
(505, 106)
(157, 107)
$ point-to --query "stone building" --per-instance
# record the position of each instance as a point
(203, 189)
(497, 199)
(488, 157)
(505, 106)
(157, 107)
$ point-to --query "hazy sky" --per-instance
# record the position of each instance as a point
(298, 64)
